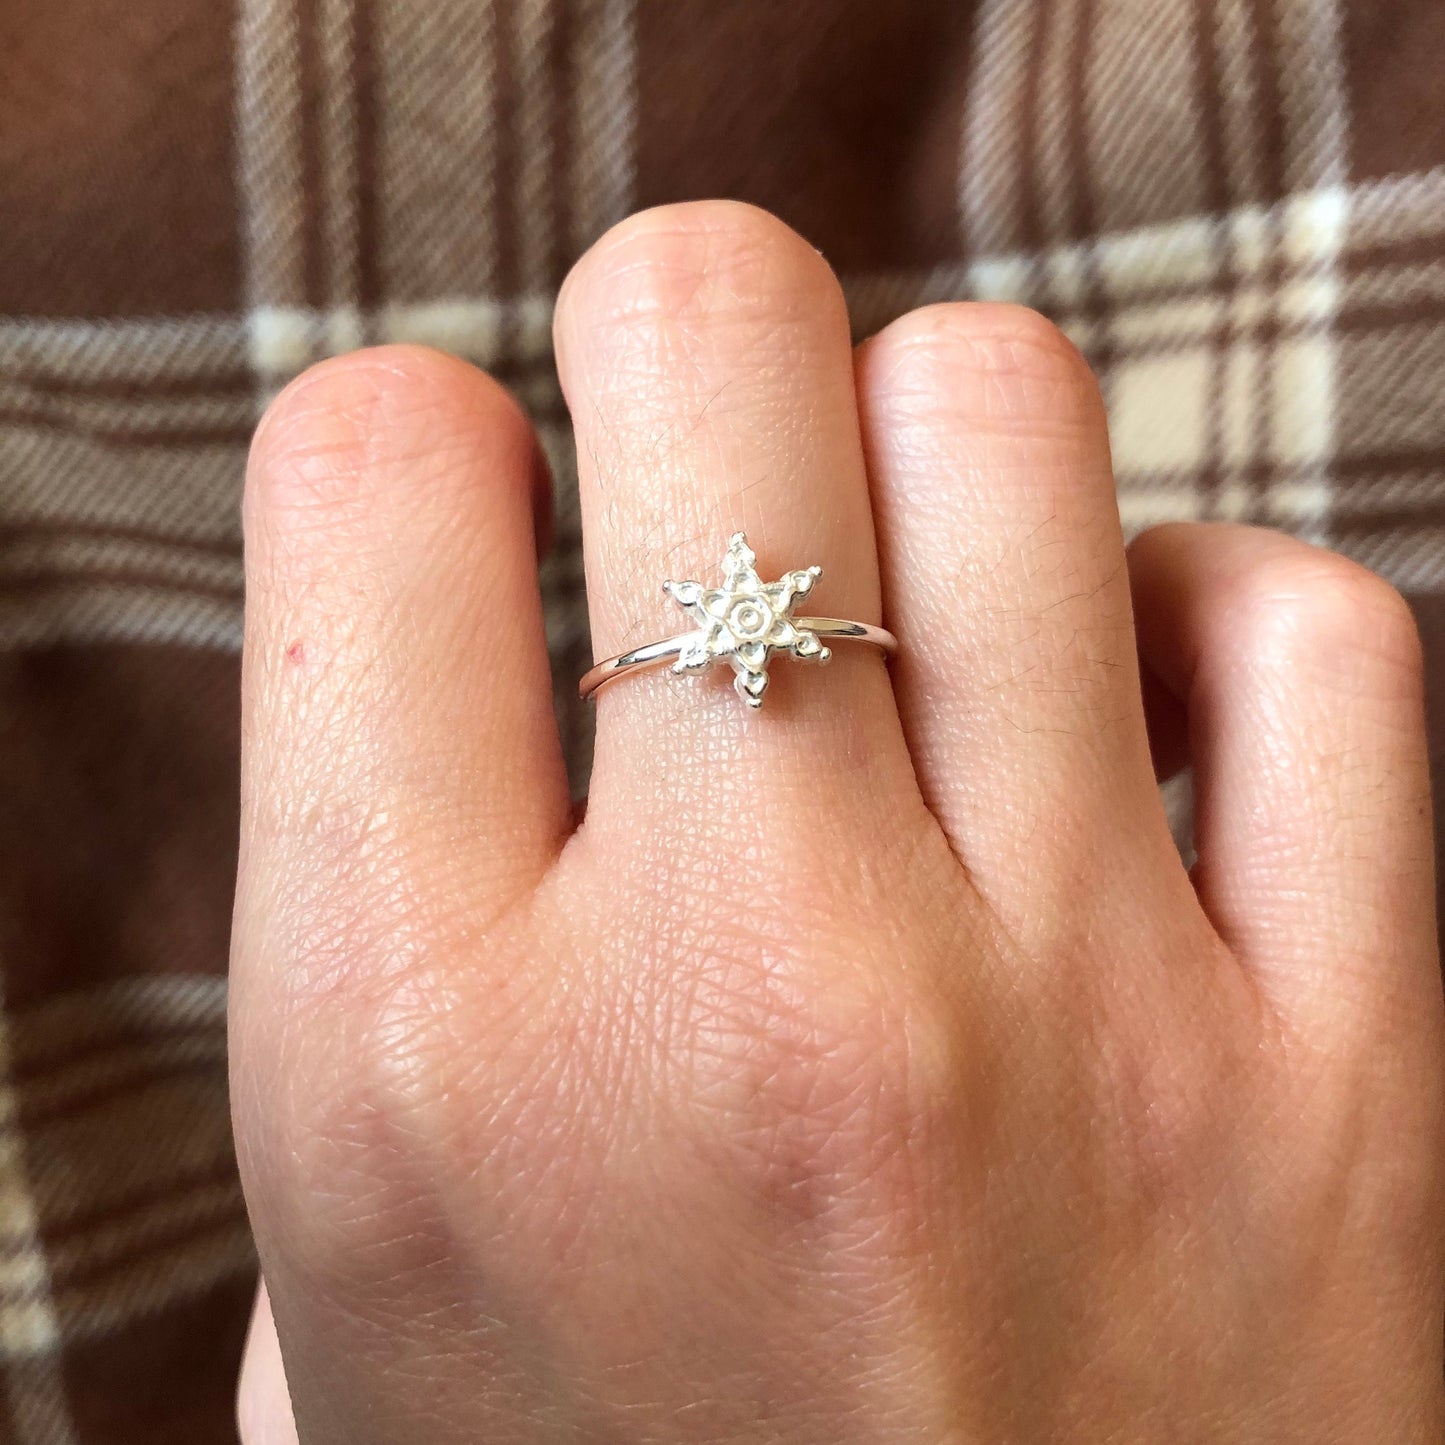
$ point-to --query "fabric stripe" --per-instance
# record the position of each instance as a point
(141, 353)
(1316, 125)
(29, 1325)
(989, 194)
(145, 1287)
(102, 1077)
(1238, 103)
(1054, 180)
(69, 1022)
(437, 145)
(535, 208)
(178, 419)
(269, 153)
(340, 174)
(1312, 87)
(1129, 123)
(604, 117)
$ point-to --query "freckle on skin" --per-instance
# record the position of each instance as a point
(296, 653)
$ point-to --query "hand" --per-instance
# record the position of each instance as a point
(867, 1068)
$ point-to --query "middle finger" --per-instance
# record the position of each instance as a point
(704, 351)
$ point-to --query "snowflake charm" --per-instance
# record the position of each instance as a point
(745, 620)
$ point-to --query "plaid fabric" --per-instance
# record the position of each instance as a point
(1237, 207)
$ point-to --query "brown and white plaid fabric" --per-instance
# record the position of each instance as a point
(1237, 207)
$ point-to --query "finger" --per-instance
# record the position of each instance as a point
(705, 354)
(263, 1403)
(1004, 569)
(1302, 677)
(396, 691)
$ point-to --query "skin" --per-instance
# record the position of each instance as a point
(868, 1068)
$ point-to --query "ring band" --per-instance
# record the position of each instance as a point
(655, 654)
(744, 622)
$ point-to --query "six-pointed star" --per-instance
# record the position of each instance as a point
(745, 620)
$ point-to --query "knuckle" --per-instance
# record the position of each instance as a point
(344, 1127)
(983, 362)
(345, 429)
(1172, 1116)
(1363, 1118)
(819, 1098)
(694, 260)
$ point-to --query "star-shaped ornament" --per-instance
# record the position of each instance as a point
(746, 620)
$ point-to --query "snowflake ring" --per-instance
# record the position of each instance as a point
(743, 622)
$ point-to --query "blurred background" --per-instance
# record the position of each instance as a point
(1235, 207)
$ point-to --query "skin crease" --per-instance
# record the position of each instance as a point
(869, 1068)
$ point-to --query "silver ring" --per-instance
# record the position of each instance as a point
(743, 622)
